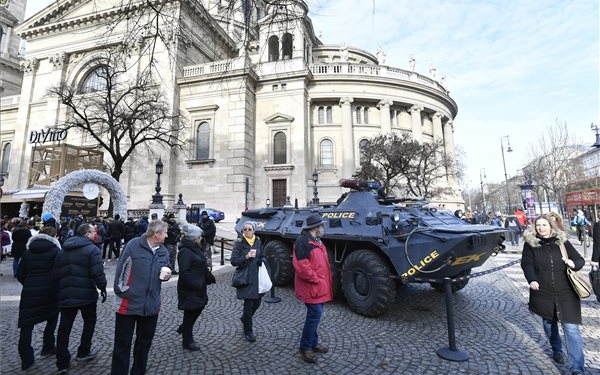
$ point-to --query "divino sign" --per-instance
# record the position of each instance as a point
(49, 135)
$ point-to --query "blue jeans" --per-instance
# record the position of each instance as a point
(573, 341)
(16, 265)
(310, 337)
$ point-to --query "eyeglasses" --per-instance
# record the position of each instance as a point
(247, 229)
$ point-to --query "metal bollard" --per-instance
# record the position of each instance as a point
(222, 251)
(450, 352)
(271, 298)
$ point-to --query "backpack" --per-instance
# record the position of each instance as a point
(4, 238)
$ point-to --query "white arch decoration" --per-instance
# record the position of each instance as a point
(56, 195)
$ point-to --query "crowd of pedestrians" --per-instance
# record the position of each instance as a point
(63, 275)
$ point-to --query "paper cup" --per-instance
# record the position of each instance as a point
(165, 273)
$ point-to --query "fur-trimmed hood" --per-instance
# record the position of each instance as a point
(42, 237)
(530, 236)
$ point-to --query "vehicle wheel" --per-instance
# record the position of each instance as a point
(368, 287)
(439, 287)
(279, 256)
(336, 275)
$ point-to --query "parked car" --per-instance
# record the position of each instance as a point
(216, 215)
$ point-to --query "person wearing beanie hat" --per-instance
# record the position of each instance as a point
(248, 253)
(191, 231)
(312, 283)
(191, 285)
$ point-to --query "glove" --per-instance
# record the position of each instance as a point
(259, 263)
(103, 294)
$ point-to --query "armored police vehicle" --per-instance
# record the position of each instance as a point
(375, 243)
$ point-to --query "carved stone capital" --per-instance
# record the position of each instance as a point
(437, 115)
(450, 125)
(346, 100)
(58, 60)
(29, 66)
(415, 108)
(384, 103)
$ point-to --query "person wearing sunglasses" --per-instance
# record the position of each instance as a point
(248, 252)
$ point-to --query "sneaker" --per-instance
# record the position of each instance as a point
(48, 353)
(91, 355)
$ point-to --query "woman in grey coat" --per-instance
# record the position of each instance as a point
(248, 252)
(551, 295)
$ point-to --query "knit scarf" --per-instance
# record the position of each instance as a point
(250, 240)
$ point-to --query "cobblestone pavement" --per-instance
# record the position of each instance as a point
(492, 324)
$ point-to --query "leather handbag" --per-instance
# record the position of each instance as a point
(240, 277)
(579, 282)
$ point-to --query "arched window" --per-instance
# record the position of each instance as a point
(287, 46)
(358, 114)
(203, 141)
(326, 152)
(273, 48)
(329, 113)
(362, 145)
(321, 115)
(279, 148)
(5, 157)
(366, 115)
(97, 80)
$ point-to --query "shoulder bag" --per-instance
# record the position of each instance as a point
(579, 282)
(240, 277)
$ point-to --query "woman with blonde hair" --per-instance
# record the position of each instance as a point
(557, 220)
(551, 295)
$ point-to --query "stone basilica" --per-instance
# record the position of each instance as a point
(266, 102)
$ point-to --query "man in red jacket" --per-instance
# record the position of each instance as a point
(312, 283)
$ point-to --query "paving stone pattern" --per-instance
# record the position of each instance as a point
(492, 324)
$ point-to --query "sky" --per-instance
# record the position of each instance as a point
(514, 67)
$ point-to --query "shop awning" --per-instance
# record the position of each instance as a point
(30, 194)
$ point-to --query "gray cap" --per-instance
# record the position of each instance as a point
(191, 231)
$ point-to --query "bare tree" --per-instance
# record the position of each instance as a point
(554, 161)
(121, 112)
(400, 163)
(429, 167)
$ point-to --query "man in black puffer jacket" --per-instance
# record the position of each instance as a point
(79, 270)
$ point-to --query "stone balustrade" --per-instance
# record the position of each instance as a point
(316, 69)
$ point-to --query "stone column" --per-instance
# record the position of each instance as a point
(20, 142)
(384, 111)
(348, 165)
(59, 63)
(417, 131)
(437, 126)
(449, 149)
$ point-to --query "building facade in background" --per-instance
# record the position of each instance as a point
(265, 100)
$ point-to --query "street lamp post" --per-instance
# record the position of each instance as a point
(158, 198)
(315, 178)
(481, 177)
(509, 149)
(597, 131)
(268, 202)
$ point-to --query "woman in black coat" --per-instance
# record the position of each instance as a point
(39, 296)
(191, 286)
(551, 295)
(248, 252)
